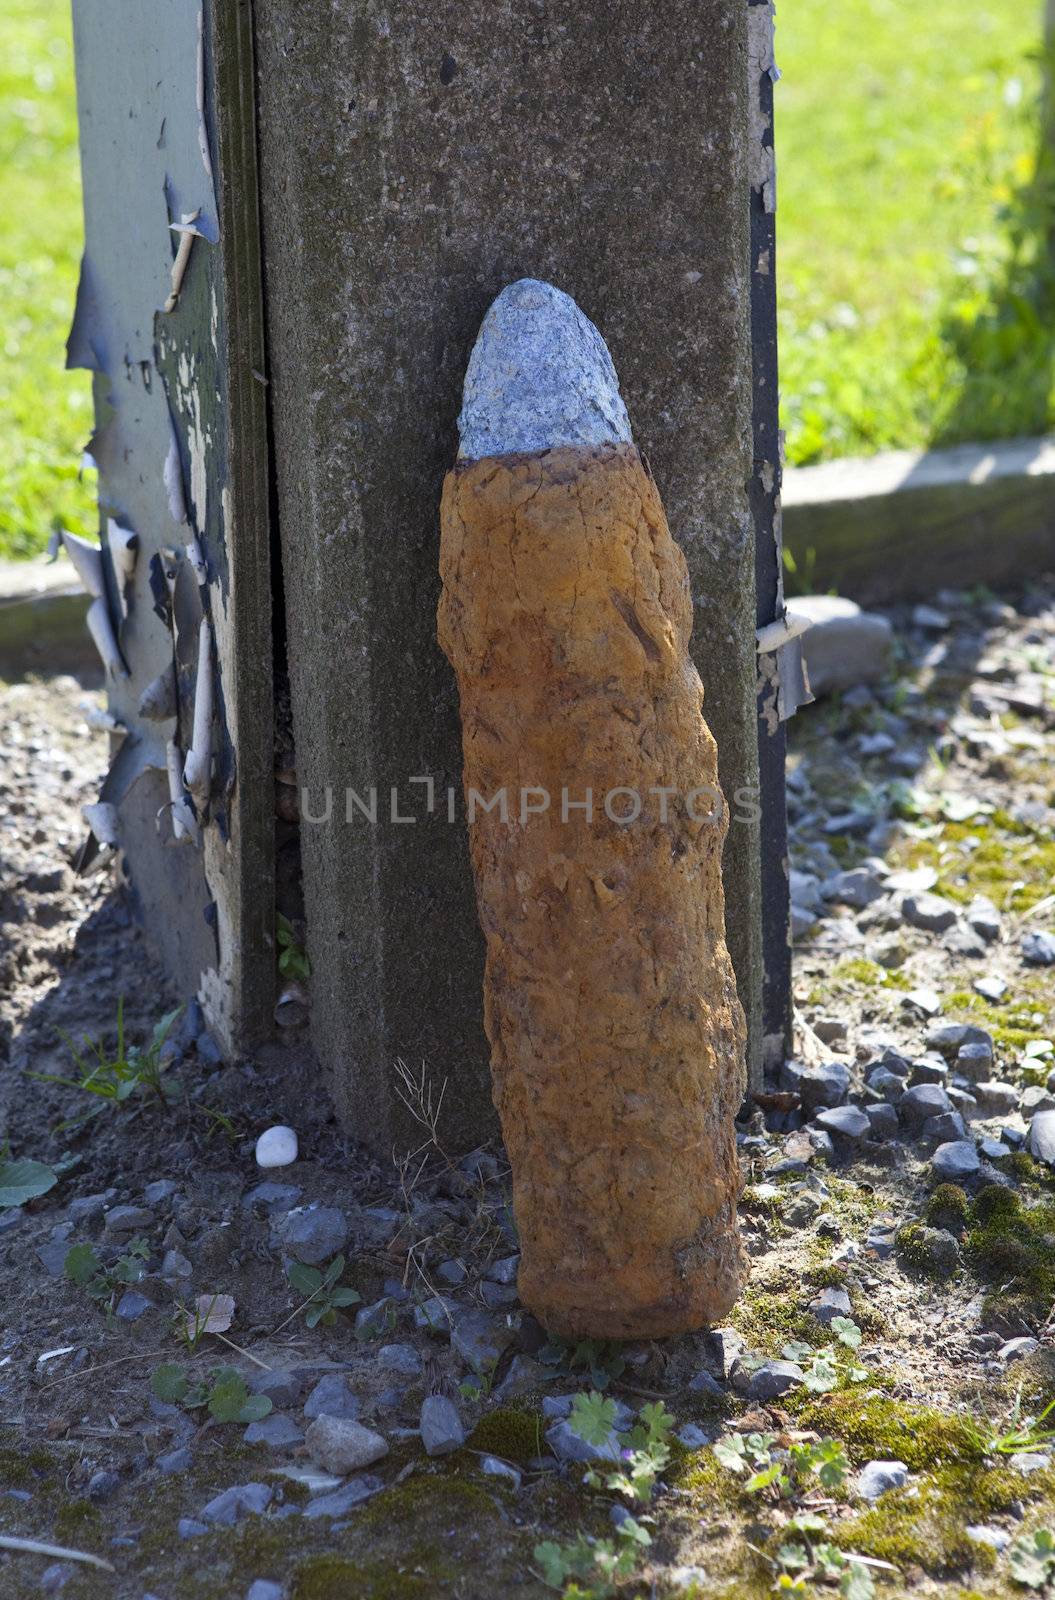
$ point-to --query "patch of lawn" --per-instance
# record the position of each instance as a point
(45, 412)
(907, 140)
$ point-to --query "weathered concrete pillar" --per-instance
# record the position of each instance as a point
(596, 830)
(415, 158)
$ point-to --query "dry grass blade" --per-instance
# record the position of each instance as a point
(34, 1547)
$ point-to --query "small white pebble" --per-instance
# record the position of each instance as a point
(276, 1147)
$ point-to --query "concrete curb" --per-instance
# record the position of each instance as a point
(42, 626)
(902, 524)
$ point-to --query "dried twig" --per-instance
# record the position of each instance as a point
(34, 1547)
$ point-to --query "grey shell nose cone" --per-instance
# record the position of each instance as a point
(539, 376)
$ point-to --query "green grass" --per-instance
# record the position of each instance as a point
(911, 308)
(906, 137)
(45, 412)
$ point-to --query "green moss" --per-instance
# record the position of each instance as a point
(22, 1470)
(915, 1253)
(443, 1496)
(1015, 1244)
(874, 1427)
(770, 1317)
(857, 970)
(510, 1433)
(912, 1528)
(948, 1207)
(330, 1577)
(78, 1519)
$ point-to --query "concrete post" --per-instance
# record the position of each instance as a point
(415, 158)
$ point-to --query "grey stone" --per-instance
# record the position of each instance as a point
(133, 1305)
(440, 1426)
(497, 1295)
(948, 1037)
(990, 987)
(774, 1378)
(975, 1060)
(160, 1190)
(924, 1101)
(882, 1121)
(102, 1484)
(313, 1234)
(728, 1347)
(877, 1477)
(858, 888)
(960, 940)
(845, 646)
(342, 1446)
(993, 1149)
(703, 1383)
(331, 1397)
(818, 1086)
(265, 1589)
(340, 1501)
(693, 1437)
(539, 376)
(1042, 1137)
(984, 1533)
(1038, 949)
(524, 1376)
(996, 1098)
(89, 1206)
(843, 1122)
(955, 1162)
(1036, 1098)
(401, 1359)
(848, 822)
(52, 1256)
(451, 1272)
(175, 1265)
(55, 1577)
(241, 1500)
(480, 1339)
(393, 937)
(829, 1304)
(938, 1249)
(1028, 1461)
(1018, 1349)
(435, 1315)
(504, 1271)
(281, 1386)
(377, 1226)
(378, 1318)
(173, 1461)
(831, 1030)
(946, 1127)
(566, 1445)
(272, 1196)
(924, 1002)
(930, 1069)
(191, 1528)
(984, 918)
(494, 1467)
(121, 1220)
(886, 1084)
(277, 1431)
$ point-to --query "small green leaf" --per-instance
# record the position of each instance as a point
(24, 1180)
(228, 1398)
(306, 1280)
(592, 1417)
(821, 1377)
(1032, 1558)
(846, 1331)
(732, 1453)
(345, 1297)
(81, 1265)
(169, 1382)
(256, 1407)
